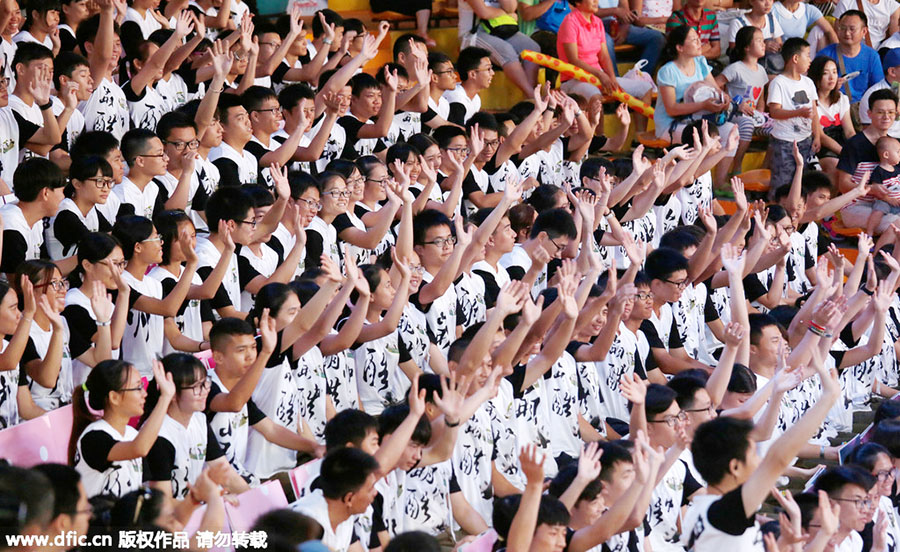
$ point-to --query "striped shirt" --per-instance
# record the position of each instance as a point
(707, 26)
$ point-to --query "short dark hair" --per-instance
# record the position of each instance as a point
(659, 399)
(742, 380)
(301, 181)
(663, 262)
(857, 13)
(834, 479)
(226, 102)
(394, 415)
(349, 426)
(33, 175)
(556, 223)
(685, 388)
(64, 480)
(866, 455)
(792, 47)
(362, 81)
(172, 120)
(564, 479)
(27, 499)
(469, 59)
(134, 143)
(94, 142)
(614, 453)
(879, 95)
(289, 525)
(438, 58)
(345, 470)
(680, 239)
(403, 44)
(254, 96)
(716, 443)
(290, 96)
(87, 31)
(427, 219)
(484, 120)
(65, 64)
(225, 328)
(758, 321)
(331, 17)
(26, 52)
(443, 135)
(227, 203)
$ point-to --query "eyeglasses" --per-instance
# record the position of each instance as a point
(338, 193)
(199, 387)
(492, 143)
(884, 475)
(378, 180)
(680, 284)
(860, 503)
(310, 203)
(441, 242)
(156, 239)
(558, 247)
(462, 149)
(418, 269)
(137, 388)
(881, 112)
(359, 181)
(179, 146)
(272, 110)
(163, 154)
(709, 409)
(120, 264)
(671, 421)
(252, 223)
(57, 285)
(272, 44)
(447, 72)
(643, 296)
(101, 182)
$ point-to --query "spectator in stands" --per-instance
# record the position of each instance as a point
(797, 18)
(849, 485)
(493, 26)
(891, 65)
(634, 30)
(40, 24)
(582, 42)
(852, 55)
(71, 510)
(833, 107)
(687, 66)
(881, 18)
(29, 504)
(703, 21)
(72, 13)
(859, 157)
(475, 74)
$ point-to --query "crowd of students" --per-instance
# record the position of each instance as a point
(233, 250)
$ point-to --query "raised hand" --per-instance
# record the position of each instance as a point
(163, 380)
(476, 141)
(829, 514)
(733, 262)
(183, 24)
(531, 310)
(30, 305)
(734, 334)
(101, 303)
(740, 198)
(633, 389)
(39, 87)
(267, 331)
(330, 270)
(187, 249)
(416, 399)
(532, 462)
(222, 59)
(589, 465)
(510, 298)
(391, 79)
(50, 312)
(280, 179)
(454, 391)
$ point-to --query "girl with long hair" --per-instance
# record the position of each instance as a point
(15, 326)
(833, 107)
(105, 450)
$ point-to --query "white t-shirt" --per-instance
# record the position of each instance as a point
(145, 108)
(74, 127)
(106, 109)
(770, 29)
(9, 145)
(315, 506)
(25, 36)
(99, 475)
(247, 166)
(143, 338)
(14, 220)
(61, 393)
(209, 257)
(143, 200)
(146, 22)
(791, 94)
(9, 388)
(458, 95)
(188, 319)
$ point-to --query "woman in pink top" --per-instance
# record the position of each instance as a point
(581, 41)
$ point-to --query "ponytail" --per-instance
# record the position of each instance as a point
(107, 376)
(186, 370)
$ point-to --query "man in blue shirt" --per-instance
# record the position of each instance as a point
(852, 55)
